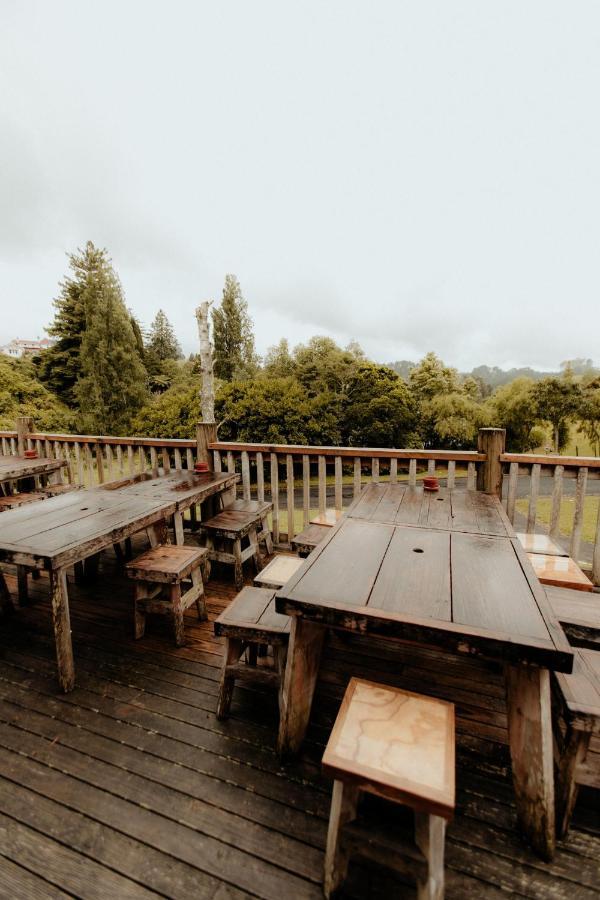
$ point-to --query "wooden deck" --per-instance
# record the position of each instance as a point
(129, 787)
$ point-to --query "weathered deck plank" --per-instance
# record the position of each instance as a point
(141, 791)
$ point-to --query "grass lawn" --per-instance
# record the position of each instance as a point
(567, 512)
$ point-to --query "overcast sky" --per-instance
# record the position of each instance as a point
(413, 175)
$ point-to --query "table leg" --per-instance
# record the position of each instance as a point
(178, 528)
(530, 737)
(301, 672)
(62, 629)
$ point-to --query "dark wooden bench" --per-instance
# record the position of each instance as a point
(240, 522)
(158, 575)
(250, 622)
(399, 746)
(576, 719)
(305, 542)
(579, 614)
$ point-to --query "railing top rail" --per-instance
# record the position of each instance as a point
(527, 459)
(367, 452)
(105, 439)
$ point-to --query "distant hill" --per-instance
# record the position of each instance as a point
(495, 376)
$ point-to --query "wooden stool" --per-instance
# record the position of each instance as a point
(400, 746)
(561, 571)
(576, 718)
(540, 543)
(13, 501)
(579, 614)
(239, 520)
(305, 542)
(278, 572)
(328, 519)
(158, 574)
(55, 490)
(251, 621)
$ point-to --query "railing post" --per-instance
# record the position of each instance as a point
(206, 433)
(24, 426)
(490, 441)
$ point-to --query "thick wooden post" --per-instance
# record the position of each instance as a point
(24, 426)
(206, 433)
(491, 441)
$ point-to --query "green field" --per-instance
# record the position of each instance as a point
(567, 512)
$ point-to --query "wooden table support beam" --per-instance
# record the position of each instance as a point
(302, 669)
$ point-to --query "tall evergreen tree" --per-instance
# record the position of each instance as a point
(60, 365)
(161, 339)
(112, 383)
(233, 339)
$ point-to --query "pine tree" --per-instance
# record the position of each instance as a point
(233, 338)
(112, 384)
(161, 339)
(60, 365)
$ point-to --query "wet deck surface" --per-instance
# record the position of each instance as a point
(129, 787)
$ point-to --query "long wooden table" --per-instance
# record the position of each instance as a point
(16, 468)
(70, 528)
(443, 569)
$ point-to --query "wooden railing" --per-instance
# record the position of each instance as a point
(558, 468)
(304, 481)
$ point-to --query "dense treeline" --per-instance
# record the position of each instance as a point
(105, 374)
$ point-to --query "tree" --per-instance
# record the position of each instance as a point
(322, 366)
(589, 413)
(162, 342)
(60, 365)
(431, 377)
(512, 406)
(379, 410)
(557, 400)
(112, 383)
(278, 361)
(235, 356)
(455, 419)
(21, 394)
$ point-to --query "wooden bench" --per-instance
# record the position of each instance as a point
(540, 543)
(399, 746)
(305, 542)
(560, 571)
(239, 521)
(158, 576)
(13, 501)
(579, 614)
(576, 719)
(328, 519)
(277, 572)
(249, 622)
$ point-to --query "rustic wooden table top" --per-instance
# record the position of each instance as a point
(72, 526)
(443, 568)
(12, 468)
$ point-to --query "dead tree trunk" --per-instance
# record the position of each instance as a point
(207, 389)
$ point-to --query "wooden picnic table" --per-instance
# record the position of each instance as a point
(445, 569)
(72, 527)
(16, 468)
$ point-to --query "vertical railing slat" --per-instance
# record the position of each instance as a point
(450, 481)
(357, 476)
(260, 477)
(142, 459)
(305, 489)
(99, 464)
(338, 483)
(375, 469)
(322, 485)
(231, 468)
(412, 472)
(582, 475)
(534, 490)
(431, 466)
(177, 454)
(289, 488)
(120, 460)
(154, 462)
(596, 556)
(130, 460)
(166, 460)
(109, 462)
(471, 476)
(189, 459)
(275, 496)
(393, 470)
(245, 475)
(513, 481)
(217, 460)
(557, 492)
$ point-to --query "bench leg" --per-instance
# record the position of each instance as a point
(6, 604)
(301, 672)
(430, 834)
(238, 568)
(279, 659)
(233, 650)
(201, 601)
(573, 754)
(79, 572)
(22, 588)
(178, 625)
(178, 529)
(253, 538)
(266, 533)
(140, 592)
(344, 800)
(530, 737)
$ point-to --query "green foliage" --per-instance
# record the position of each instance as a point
(275, 410)
(455, 419)
(378, 410)
(431, 377)
(162, 342)
(557, 401)
(234, 354)
(322, 366)
(511, 406)
(112, 383)
(589, 412)
(60, 365)
(278, 361)
(173, 414)
(22, 394)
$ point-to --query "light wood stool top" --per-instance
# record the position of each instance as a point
(540, 543)
(276, 573)
(329, 517)
(396, 744)
(560, 571)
